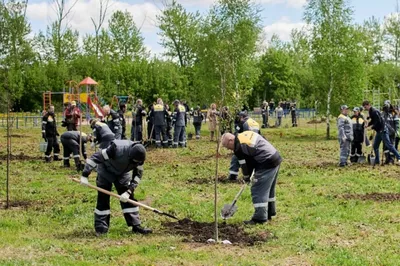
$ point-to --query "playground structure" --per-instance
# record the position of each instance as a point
(85, 95)
(378, 97)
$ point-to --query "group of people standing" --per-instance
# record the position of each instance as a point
(352, 133)
(283, 108)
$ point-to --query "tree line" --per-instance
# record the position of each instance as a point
(221, 56)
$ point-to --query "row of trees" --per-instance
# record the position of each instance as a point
(211, 57)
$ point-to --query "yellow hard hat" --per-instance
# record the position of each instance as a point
(73, 103)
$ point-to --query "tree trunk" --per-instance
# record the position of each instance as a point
(328, 107)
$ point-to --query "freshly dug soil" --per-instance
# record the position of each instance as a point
(201, 232)
(223, 179)
(15, 204)
(373, 196)
(20, 157)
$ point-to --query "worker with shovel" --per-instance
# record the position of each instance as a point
(256, 153)
(70, 141)
(114, 165)
(382, 132)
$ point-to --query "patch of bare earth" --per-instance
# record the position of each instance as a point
(200, 232)
(372, 196)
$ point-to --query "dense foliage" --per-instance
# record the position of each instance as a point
(208, 57)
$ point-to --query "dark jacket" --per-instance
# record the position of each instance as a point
(102, 132)
(49, 125)
(122, 118)
(255, 152)
(197, 117)
(159, 115)
(73, 138)
(358, 128)
(114, 122)
(115, 161)
(138, 113)
(376, 120)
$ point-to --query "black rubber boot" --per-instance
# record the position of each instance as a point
(232, 177)
(271, 210)
(141, 230)
(66, 164)
(387, 158)
(254, 222)
(57, 158)
(77, 164)
(47, 159)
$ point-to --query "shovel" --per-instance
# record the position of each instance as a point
(230, 209)
(361, 158)
(134, 203)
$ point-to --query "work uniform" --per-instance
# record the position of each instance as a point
(279, 115)
(256, 153)
(49, 134)
(197, 120)
(265, 114)
(123, 123)
(345, 134)
(179, 118)
(159, 115)
(170, 137)
(114, 123)
(70, 141)
(114, 165)
(72, 115)
(293, 114)
(391, 124)
(151, 134)
(358, 124)
(248, 124)
(138, 113)
(102, 134)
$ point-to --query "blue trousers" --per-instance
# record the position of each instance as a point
(384, 136)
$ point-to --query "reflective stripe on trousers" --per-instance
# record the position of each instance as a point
(263, 193)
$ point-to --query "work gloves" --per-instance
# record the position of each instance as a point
(84, 181)
(125, 196)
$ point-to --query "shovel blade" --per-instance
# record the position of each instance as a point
(361, 159)
(228, 211)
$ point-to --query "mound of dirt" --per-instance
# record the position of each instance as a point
(223, 179)
(373, 196)
(201, 232)
(20, 157)
(15, 204)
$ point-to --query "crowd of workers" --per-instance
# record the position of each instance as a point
(352, 133)
(119, 161)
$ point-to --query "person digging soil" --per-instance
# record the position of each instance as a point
(254, 152)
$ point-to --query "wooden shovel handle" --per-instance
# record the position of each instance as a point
(135, 203)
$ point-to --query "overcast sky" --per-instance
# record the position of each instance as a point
(279, 16)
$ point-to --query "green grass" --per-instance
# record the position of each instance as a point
(314, 225)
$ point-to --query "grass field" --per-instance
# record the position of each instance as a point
(326, 215)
